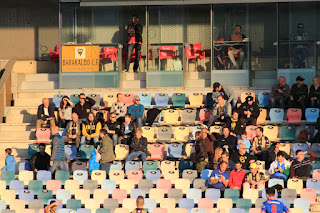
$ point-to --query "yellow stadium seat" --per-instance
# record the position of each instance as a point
(18, 205)
(262, 117)
(108, 99)
(216, 129)
(167, 203)
(8, 196)
(170, 116)
(271, 132)
(196, 99)
(285, 147)
(129, 203)
(216, 210)
(98, 175)
(25, 176)
(127, 185)
(225, 203)
(32, 211)
(190, 148)
(296, 210)
(246, 94)
(183, 184)
(48, 149)
(100, 195)
(172, 175)
(91, 204)
(167, 165)
(3, 185)
(156, 194)
(83, 195)
(149, 132)
(121, 210)
(121, 151)
(251, 194)
(177, 210)
(296, 184)
(181, 133)
(116, 175)
(72, 185)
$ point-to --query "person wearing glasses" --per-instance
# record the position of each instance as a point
(83, 107)
(136, 110)
(112, 126)
(299, 51)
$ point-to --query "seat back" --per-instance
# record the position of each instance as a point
(149, 133)
(224, 203)
(313, 184)
(96, 98)
(128, 99)
(262, 116)
(205, 114)
(170, 116)
(26, 176)
(161, 100)
(63, 195)
(135, 175)
(175, 150)
(164, 184)
(7, 176)
(98, 175)
(166, 52)
(57, 99)
(275, 181)
(164, 133)
(116, 175)
(194, 130)
(62, 176)
(300, 146)
(167, 165)
(263, 98)
(145, 99)
(288, 133)
(244, 204)
(205, 174)
(232, 194)
(216, 129)
(312, 114)
(149, 165)
(181, 133)
(121, 151)
(127, 185)
(43, 134)
(285, 147)
(276, 115)
(271, 132)
(176, 194)
(153, 175)
(90, 185)
(156, 151)
(173, 175)
(74, 98)
(86, 150)
(36, 186)
(80, 175)
(188, 116)
(178, 100)
(294, 115)
(196, 99)
(71, 151)
(79, 165)
(109, 185)
(116, 165)
(145, 184)
(44, 176)
(119, 194)
(189, 149)
(244, 95)
(302, 203)
(132, 165)
(194, 194)
(32, 149)
(309, 194)
(186, 203)
(108, 99)
(315, 148)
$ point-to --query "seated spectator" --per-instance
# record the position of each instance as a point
(314, 94)
(40, 160)
(301, 166)
(209, 140)
(10, 162)
(119, 107)
(280, 168)
(279, 94)
(106, 151)
(227, 93)
(272, 154)
(236, 128)
(244, 140)
(83, 107)
(136, 110)
(140, 206)
(65, 111)
(138, 147)
(45, 114)
(201, 152)
(245, 158)
(219, 177)
(254, 179)
(260, 144)
(299, 95)
(237, 176)
(271, 205)
(249, 112)
(226, 141)
(237, 49)
(73, 131)
(216, 158)
(225, 158)
(221, 113)
(58, 157)
(127, 129)
(90, 130)
(113, 128)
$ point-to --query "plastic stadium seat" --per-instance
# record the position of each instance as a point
(129, 204)
(17, 205)
(135, 193)
(224, 203)
(294, 116)
(100, 195)
(150, 204)
(315, 165)
(82, 194)
(135, 175)
(90, 185)
(311, 115)
(196, 99)
(161, 100)
(296, 184)
(62, 176)
(183, 184)
(45, 195)
(209, 100)
(200, 184)
(170, 116)
(262, 116)
(275, 181)
(300, 146)
(246, 94)
(26, 195)
(205, 174)
(44, 176)
(153, 175)
(233, 194)
(296, 210)
(164, 185)
(178, 100)
(276, 115)
(79, 165)
(315, 148)
(186, 203)
(145, 184)
(8, 211)
(251, 132)
(128, 99)
(251, 194)
(121, 210)
(36, 204)
(72, 185)
(205, 203)
(73, 204)
(17, 186)
(316, 174)
(108, 99)
(204, 114)
(194, 130)
(172, 175)
(92, 204)
(271, 132)
(32, 149)
(7, 176)
(119, 194)
(3, 185)
(302, 203)
(25, 176)
(127, 185)
(288, 133)
(176, 194)
(63, 195)
(160, 210)
(189, 174)
(149, 165)
(74, 98)
(309, 194)
(216, 129)
(183, 165)
(3, 205)
(237, 210)
(43, 135)
(188, 116)
(53, 185)
(149, 133)
(86, 150)
(314, 184)
(167, 165)
(156, 151)
(80, 175)
(174, 150)
(255, 210)
(181, 133)
(57, 99)
(98, 175)
(145, 99)
(103, 210)
(116, 175)
(156, 194)
(111, 204)
(96, 98)
(121, 151)
(62, 210)
(84, 210)
(194, 194)
(132, 165)
(259, 202)
(285, 201)
(263, 98)
(167, 203)
(244, 204)
(290, 194)
(116, 165)
(71, 151)
(179, 210)
(213, 194)
(8, 196)
(62, 132)
(285, 147)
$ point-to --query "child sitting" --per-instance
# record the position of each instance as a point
(244, 140)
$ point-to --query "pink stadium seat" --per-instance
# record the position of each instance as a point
(294, 116)
(43, 135)
(309, 194)
(119, 194)
(251, 131)
(156, 151)
(316, 174)
(128, 99)
(255, 210)
(53, 185)
(205, 203)
(160, 210)
(164, 184)
(205, 114)
(135, 175)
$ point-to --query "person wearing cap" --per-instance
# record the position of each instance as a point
(249, 112)
(254, 179)
(314, 94)
(226, 92)
(245, 158)
(299, 95)
(299, 51)
(136, 110)
(279, 94)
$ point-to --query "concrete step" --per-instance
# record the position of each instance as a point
(27, 118)
(134, 76)
(28, 102)
(23, 110)
(42, 77)
(40, 85)
(17, 135)
(11, 127)
(134, 84)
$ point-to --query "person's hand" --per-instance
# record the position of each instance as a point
(280, 170)
(58, 203)
(280, 91)
(74, 136)
(306, 152)
(112, 131)
(217, 106)
(36, 170)
(51, 163)
(249, 113)
(245, 112)
(291, 98)
(88, 110)
(253, 186)
(96, 152)
(312, 98)
(89, 137)
(225, 147)
(125, 136)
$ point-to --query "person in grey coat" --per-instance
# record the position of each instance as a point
(226, 92)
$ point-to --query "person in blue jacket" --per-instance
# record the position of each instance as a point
(10, 161)
(136, 110)
(94, 161)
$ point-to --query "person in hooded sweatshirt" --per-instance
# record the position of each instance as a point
(10, 161)
(249, 112)
(280, 168)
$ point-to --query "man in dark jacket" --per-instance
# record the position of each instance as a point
(299, 95)
(113, 128)
(45, 114)
(243, 156)
(127, 129)
(40, 160)
(249, 112)
(227, 93)
(236, 128)
(73, 131)
(83, 107)
(138, 147)
(301, 166)
(280, 93)
(134, 31)
(226, 141)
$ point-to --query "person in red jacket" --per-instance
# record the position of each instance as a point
(237, 176)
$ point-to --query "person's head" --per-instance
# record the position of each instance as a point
(135, 19)
(243, 135)
(280, 156)
(249, 100)
(217, 154)
(220, 100)
(238, 165)
(225, 131)
(119, 97)
(8, 151)
(197, 134)
(54, 207)
(136, 100)
(204, 133)
(315, 81)
(140, 202)
(259, 131)
(139, 133)
(74, 117)
(242, 149)
(82, 98)
(299, 80)
(299, 155)
(224, 156)
(54, 130)
(235, 115)
(223, 166)
(237, 29)
(103, 132)
(300, 27)
(42, 148)
(64, 102)
(113, 117)
(254, 168)
(45, 102)
(216, 86)
(128, 118)
(270, 193)
(282, 80)
(91, 117)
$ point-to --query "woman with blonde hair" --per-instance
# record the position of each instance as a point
(216, 158)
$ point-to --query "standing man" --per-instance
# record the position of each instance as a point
(83, 107)
(237, 49)
(40, 160)
(58, 158)
(134, 31)
(280, 93)
(271, 205)
(299, 51)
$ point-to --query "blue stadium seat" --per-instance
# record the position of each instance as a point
(24, 166)
(194, 194)
(285, 201)
(161, 100)
(153, 175)
(314, 184)
(145, 99)
(178, 100)
(26, 195)
(299, 146)
(17, 186)
(57, 99)
(32, 149)
(288, 133)
(205, 174)
(135, 193)
(80, 175)
(71, 151)
(315, 148)
(44, 176)
(116, 165)
(275, 181)
(263, 98)
(109, 185)
(150, 204)
(186, 203)
(132, 165)
(276, 115)
(174, 150)
(311, 115)
(196, 129)
(213, 194)
(302, 203)
(237, 210)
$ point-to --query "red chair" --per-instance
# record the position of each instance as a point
(205, 114)
(109, 53)
(54, 55)
(43, 135)
(205, 203)
(164, 184)
(193, 51)
(309, 194)
(166, 52)
(294, 116)
(156, 151)
(135, 175)
(128, 99)
(251, 132)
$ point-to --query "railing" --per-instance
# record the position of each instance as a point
(5, 88)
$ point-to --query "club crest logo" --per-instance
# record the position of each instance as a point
(80, 52)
